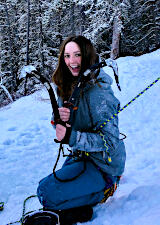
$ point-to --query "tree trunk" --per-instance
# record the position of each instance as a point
(10, 47)
(117, 27)
(82, 28)
(41, 35)
(28, 27)
(59, 26)
(72, 18)
(27, 51)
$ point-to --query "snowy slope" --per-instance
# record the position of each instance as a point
(28, 152)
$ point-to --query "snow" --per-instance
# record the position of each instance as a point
(5, 90)
(25, 70)
(28, 151)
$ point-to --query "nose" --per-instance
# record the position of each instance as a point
(72, 59)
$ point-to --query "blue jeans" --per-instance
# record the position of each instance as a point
(86, 189)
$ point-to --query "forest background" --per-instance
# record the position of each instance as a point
(31, 32)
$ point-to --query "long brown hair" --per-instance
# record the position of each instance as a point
(62, 76)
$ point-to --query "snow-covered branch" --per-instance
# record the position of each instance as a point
(25, 70)
(5, 90)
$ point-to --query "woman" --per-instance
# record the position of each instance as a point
(99, 157)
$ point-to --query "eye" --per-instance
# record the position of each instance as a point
(78, 54)
(66, 56)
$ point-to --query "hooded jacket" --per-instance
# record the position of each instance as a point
(96, 104)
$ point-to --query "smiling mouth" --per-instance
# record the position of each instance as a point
(75, 68)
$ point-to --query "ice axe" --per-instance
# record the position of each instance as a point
(31, 71)
(108, 62)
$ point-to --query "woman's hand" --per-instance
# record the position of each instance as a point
(64, 114)
(60, 132)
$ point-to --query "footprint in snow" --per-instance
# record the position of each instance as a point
(12, 129)
(8, 142)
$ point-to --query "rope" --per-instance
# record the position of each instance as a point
(19, 221)
(23, 212)
(116, 114)
(24, 206)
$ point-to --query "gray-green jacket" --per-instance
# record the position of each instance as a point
(97, 103)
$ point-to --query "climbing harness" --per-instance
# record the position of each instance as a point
(71, 155)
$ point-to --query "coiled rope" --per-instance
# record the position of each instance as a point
(23, 212)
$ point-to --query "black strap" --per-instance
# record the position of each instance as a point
(65, 140)
(71, 104)
(69, 179)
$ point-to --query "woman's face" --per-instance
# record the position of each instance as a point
(73, 58)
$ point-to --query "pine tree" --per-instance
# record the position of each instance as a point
(141, 33)
(8, 46)
(31, 32)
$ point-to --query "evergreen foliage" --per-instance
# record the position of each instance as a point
(31, 32)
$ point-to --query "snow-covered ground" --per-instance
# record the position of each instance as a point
(28, 151)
